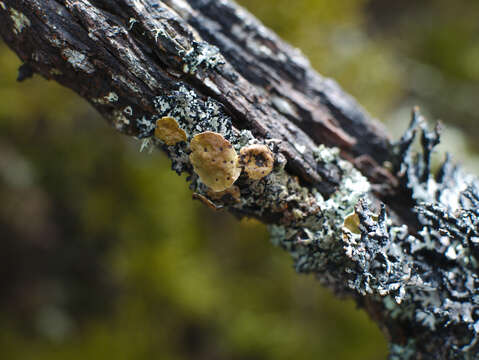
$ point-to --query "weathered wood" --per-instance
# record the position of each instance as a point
(213, 67)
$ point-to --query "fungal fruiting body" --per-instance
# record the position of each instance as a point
(168, 131)
(214, 160)
(257, 161)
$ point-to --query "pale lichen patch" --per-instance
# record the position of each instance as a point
(111, 97)
(157, 32)
(301, 148)
(132, 22)
(128, 111)
(201, 54)
(78, 60)
(146, 127)
(20, 21)
(214, 160)
(168, 131)
(120, 121)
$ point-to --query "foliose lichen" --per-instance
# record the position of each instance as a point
(20, 21)
(278, 194)
(78, 60)
(109, 98)
(428, 278)
(201, 54)
(315, 240)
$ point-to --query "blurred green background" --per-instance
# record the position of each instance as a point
(103, 253)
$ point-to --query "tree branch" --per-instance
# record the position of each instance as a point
(205, 76)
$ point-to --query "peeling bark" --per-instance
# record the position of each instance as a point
(213, 67)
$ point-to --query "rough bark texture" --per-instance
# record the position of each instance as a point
(212, 66)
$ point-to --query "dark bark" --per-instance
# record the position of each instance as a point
(213, 67)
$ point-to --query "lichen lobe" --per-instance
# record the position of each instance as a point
(20, 21)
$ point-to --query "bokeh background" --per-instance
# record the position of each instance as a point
(103, 255)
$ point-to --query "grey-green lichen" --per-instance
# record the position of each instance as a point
(128, 110)
(315, 241)
(20, 21)
(276, 193)
(120, 120)
(78, 60)
(202, 54)
(402, 352)
(193, 114)
(428, 278)
(132, 22)
(109, 98)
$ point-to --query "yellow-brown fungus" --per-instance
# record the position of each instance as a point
(214, 160)
(257, 161)
(168, 130)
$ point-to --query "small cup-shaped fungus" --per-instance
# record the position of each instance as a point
(168, 130)
(257, 161)
(214, 160)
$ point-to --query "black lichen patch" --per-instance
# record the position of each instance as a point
(429, 276)
(202, 54)
(426, 276)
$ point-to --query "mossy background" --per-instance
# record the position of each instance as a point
(105, 256)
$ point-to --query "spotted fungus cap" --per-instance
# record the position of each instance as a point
(257, 160)
(214, 160)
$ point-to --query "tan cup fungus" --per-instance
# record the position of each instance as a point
(168, 130)
(257, 161)
(214, 160)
